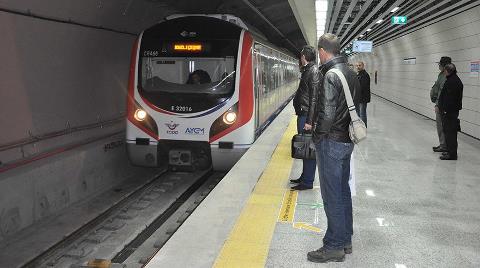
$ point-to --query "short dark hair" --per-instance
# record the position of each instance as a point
(451, 68)
(330, 43)
(309, 52)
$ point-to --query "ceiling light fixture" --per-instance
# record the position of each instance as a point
(369, 29)
(395, 9)
(379, 21)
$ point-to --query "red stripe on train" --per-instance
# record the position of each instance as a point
(131, 93)
(245, 103)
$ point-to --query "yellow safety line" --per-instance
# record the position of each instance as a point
(99, 263)
(249, 241)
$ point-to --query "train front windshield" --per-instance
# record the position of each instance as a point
(187, 76)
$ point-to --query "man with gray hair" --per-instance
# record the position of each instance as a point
(449, 105)
(333, 150)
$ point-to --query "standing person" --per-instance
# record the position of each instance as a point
(333, 150)
(434, 97)
(364, 80)
(302, 103)
(449, 105)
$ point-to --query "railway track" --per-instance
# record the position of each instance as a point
(116, 234)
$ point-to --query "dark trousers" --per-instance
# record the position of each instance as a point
(308, 170)
(333, 160)
(362, 111)
(441, 134)
(450, 128)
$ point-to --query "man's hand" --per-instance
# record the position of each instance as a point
(307, 127)
(437, 110)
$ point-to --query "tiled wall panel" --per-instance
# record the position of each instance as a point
(409, 85)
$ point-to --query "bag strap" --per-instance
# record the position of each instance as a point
(348, 95)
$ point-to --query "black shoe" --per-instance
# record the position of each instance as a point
(448, 157)
(348, 248)
(326, 255)
(299, 180)
(440, 150)
(436, 147)
(301, 187)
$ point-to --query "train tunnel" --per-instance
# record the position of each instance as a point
(64, 82)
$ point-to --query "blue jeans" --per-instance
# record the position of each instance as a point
(308, 170)
(362, 111)
(333, 160)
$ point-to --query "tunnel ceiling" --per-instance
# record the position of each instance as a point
(349, 19)
(273, 18)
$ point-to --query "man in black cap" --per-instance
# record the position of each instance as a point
(449, 105)
(434, 97)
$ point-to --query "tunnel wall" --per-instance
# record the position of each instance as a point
(409, 84)
(56, 76)
(64, 66)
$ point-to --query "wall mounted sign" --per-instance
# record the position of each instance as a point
(410, 61)
(399, 20)
(474, 69)
(362, 46)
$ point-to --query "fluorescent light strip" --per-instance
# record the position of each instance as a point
(395, 9)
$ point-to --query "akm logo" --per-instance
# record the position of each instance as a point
(172, 126)
(195, 131)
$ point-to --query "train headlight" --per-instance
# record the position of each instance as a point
(140, 115)
(229, 117)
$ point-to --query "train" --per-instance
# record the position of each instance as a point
(201, 90)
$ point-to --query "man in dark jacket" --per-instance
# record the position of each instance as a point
(364, 80)
(449, 104)
(333, 150)
(302, 103)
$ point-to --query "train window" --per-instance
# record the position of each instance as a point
(164, 83)
(178, 70)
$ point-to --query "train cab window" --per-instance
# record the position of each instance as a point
(169, 82)
(167, 74)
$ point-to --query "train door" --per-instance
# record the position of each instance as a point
(256, 85)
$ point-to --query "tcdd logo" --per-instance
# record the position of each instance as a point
(172, 126)
(195, 131)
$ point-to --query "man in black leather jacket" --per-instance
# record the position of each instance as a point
(333, 151)
(304, 98)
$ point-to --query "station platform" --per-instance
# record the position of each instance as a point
(411, 209)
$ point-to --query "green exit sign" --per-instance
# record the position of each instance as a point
(399, 20)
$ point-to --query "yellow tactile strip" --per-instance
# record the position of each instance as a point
(287, 212)
(249, 241)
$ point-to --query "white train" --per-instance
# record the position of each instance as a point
(202, 89)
